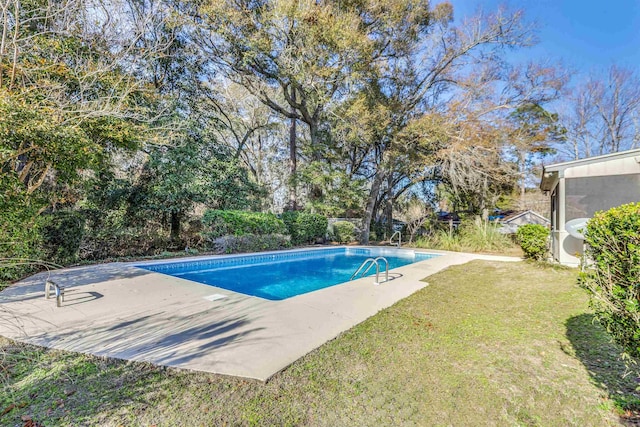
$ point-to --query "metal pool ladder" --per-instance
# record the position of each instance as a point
(370, 262)
(399, 234)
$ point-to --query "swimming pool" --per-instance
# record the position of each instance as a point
(283, 274)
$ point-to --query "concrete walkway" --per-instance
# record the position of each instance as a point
(118, 310)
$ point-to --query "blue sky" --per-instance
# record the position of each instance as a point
(585, 35)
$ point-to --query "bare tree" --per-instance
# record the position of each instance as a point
(444, 60)
(578, 115)
(414, 213)
(602, 114)
(617, 100)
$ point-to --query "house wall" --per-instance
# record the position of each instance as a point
(625, 166)
(580, 191)
(511, 226)
(527, 218)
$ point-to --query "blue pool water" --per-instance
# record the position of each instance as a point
(276, 276)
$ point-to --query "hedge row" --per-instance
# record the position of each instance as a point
(305, 227)
(218, 223)
(301, 226)
(65, 236)
(250, 243)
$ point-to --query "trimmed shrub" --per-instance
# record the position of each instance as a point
(62, 233)
(613, 281)
(218, 223)
(312, 226)
(251, 243)
(532, 238)
(344, 231)
(305, 227)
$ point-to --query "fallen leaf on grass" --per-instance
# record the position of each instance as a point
(8, 409)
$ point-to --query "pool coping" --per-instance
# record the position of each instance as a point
(122, 311)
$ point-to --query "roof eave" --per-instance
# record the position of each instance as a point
(549, 179)
(507, 220)
(556, 167)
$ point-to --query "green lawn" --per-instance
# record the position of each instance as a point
(486, 343)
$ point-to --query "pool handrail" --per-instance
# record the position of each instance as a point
(399, 238)
(370, 262)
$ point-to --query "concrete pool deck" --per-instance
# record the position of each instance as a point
(121, 311)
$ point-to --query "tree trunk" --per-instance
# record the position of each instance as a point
(388, 207)
(293, 165)
(523, 180)
(175, 227)
(485, 193)
(368, 213)
(315, 193)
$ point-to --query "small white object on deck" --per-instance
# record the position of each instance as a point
(215, 297)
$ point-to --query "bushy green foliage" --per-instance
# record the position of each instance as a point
(175, 178)
(312, 226)
(342, 191)
(218, 223)
(377, 231)
(613, 239)
(20, 240)
(344, 231)
(62, 233)
(118, 229)
(533, 238)
(305, 227)
(289, 218)
(251, 243)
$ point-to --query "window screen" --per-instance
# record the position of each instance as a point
(586, 196)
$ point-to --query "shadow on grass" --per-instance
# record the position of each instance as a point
(601, 357)
(34, 385)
